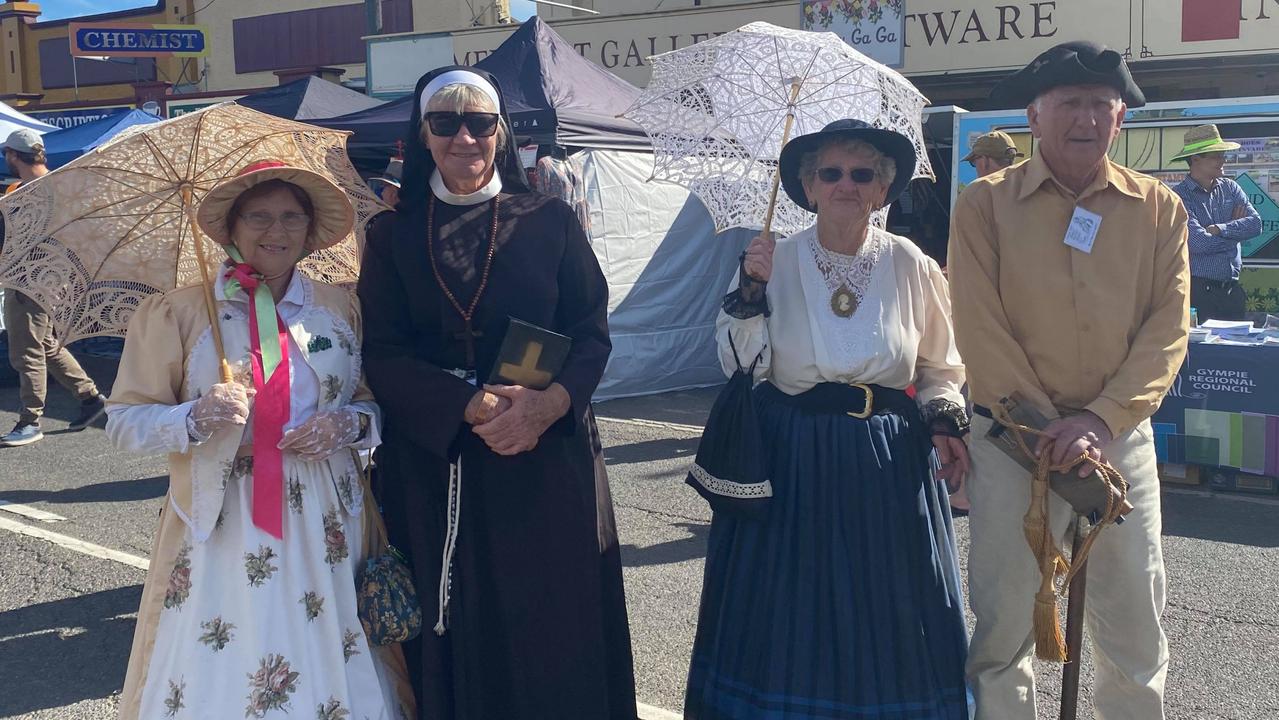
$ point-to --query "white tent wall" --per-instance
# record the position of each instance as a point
(667, 273)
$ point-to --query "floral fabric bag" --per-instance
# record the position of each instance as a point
(384, 594)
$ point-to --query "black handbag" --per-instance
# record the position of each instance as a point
(729, 470)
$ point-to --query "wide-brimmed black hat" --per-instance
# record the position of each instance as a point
(891, 143)
(1073, 63)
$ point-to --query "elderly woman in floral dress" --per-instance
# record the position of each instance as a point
(249, 607)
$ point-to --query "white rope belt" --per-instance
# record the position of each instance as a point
(450, 543)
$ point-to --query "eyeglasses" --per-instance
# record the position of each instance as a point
(446, 124)
(262, 220)
(832, 175)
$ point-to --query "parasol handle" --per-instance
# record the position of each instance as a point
(210, 305)
(777, 174)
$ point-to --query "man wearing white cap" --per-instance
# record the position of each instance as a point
(1220, 219)
(34, 351)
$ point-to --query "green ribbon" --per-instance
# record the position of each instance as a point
(264, 310)
(1194, 148)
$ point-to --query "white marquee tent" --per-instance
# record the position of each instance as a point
(11, 120)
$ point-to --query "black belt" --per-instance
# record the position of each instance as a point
(1223, 284)
(855, 400)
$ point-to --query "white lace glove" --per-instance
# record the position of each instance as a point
(224, 405)
(323, 434)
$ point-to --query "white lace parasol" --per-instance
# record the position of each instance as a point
(90, 240)
(715, 113)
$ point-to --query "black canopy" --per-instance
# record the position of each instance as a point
(308, 99)
(553, 94)
(556, 96)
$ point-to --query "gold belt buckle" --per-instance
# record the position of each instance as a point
(870, 402)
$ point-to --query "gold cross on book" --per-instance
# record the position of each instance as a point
(526, 373)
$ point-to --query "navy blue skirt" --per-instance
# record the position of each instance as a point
(845, 602)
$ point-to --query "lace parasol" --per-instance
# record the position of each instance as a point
(715, 113)
(90, 240)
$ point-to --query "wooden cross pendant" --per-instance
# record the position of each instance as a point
(469, 336)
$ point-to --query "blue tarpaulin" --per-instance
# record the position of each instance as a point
(63, 146)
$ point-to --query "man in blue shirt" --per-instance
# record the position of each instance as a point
(1220, 219)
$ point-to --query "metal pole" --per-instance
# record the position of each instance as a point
(1074, 629)
(373, 16)
(75, 79)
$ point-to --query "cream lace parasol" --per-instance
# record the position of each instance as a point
(91, 240)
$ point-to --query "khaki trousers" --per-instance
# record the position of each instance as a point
(34, 351)
(1125, 596)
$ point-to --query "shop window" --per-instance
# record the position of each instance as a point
(56, 71)
(319, 36)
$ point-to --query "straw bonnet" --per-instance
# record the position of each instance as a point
(334, 216)
(1204, 139)
(998, 145)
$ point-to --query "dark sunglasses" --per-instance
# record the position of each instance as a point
(446, 124)
(832, 175)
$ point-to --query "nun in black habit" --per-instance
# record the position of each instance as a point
(498, 494)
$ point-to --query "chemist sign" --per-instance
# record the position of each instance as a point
(875, 28)
(138, 40)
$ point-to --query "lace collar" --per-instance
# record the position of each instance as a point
(484, 194)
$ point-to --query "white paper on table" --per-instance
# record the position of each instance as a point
(1236, 325)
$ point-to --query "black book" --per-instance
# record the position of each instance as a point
(530, 356)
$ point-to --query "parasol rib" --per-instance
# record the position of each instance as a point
(209, 304)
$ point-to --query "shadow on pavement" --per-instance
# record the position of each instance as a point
(685, 407)
(1221, 520)
(674, 551)
(116, 491)
(59, 653)
(647, 450)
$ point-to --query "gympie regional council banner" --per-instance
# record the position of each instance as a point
(1223, 410)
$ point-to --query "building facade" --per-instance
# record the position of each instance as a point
(38, 70)
(954, 50)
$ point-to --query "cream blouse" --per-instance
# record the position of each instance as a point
(899, 335)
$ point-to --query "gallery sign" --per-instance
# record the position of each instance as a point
(138, 40)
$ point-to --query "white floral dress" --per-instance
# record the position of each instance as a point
(234, 622)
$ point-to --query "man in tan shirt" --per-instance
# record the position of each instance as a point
(1070, 282)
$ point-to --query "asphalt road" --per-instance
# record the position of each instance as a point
(66, 617)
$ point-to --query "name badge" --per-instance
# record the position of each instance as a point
(1082, 231)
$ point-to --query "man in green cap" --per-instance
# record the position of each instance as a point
(1220, 219)
(993, 152)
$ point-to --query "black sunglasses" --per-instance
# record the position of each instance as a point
(832, 175)
(446, 124)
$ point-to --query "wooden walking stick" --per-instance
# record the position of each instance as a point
(1074, 628)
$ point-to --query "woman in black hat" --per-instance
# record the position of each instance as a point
(845, 601)
(493, 491)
